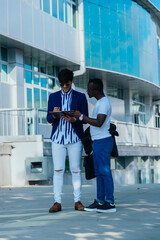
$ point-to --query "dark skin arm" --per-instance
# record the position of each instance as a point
(97, 122)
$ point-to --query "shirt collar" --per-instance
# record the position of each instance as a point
(68, 93)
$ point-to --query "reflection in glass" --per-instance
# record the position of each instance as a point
(36, 79)
(43, 81)
(4, 73)
(43, 99)
(46, 6)
(35, 65)
(74, 16)
(57, 71)
(50, 70)
(36, 98)
(28, 63)
(4, 54)
(51, 83)
(54, 8)
(132, 34)
(61, 15)
(95, 51)
(42, 67)
(28, 76)
(29, 98)
(68, 13)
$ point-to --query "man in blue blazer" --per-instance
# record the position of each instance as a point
(66, 137)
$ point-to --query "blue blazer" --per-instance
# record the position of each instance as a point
(79, 102)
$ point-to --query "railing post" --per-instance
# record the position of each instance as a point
(35, 121)
(133, 136)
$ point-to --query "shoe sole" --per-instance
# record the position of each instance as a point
(90, 209)
(107, 210)
(54, 211)
(79, 209)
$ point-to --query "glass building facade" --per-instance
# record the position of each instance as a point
(121, 36)
(60, 9)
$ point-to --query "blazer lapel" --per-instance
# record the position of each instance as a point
(74, 101)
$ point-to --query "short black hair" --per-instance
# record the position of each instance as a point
(65, 75)
(98, 84)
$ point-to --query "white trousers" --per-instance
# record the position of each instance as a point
(59, 152)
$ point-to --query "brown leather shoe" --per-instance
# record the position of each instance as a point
(55, 208)
(79, 206)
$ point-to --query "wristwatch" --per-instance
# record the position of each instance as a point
(81, 117)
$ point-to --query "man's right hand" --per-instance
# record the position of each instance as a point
(55, 109)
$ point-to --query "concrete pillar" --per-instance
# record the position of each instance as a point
(148, 171)
(16, 74)
(5, 164)
(16, 70)
(132, 170)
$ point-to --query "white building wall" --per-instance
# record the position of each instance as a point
(38, 29)
(14, 161)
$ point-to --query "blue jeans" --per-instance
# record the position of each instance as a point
(102, 155)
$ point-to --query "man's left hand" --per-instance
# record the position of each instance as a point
(69, 118)
(77, 114)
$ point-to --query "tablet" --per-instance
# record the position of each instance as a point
(63, 113)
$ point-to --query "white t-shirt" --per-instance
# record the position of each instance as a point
(102, 106)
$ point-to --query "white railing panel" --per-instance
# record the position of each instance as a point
(125, 133)
(15, 122)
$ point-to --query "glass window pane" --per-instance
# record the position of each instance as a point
(28, 63)
(28, 77)
(61, 14)
(94, 19)
(4, 73)
(29, 98)
(54, 8)
(41, 4)
(51, 83)
(74, 16)
(43, 116)
(35, 65)
(95, 50)
(68, 13)
(43, 99)
(4, 54)
(46, 6)
(57, 71)
(43, 81)
(36, 98)
(120, 163)
(50, 70)
(42, 67)
(36, 79)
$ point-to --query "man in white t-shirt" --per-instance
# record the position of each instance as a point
(102, 147)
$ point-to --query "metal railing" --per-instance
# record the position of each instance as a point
(137, 135)
(32, 121)
(24, 121)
